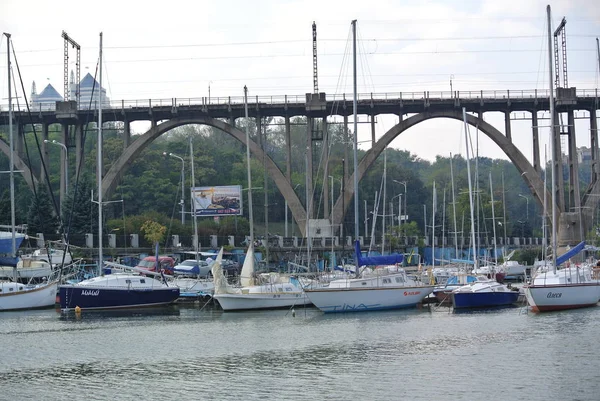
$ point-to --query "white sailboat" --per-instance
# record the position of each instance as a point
(385, 288)
(117, 290)
(267, 291)
(13, 295)
(571, 287)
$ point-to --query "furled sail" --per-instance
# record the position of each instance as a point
(570, 253)
(376, 260)
(247, 274)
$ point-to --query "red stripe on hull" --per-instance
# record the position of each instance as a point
(551, 308)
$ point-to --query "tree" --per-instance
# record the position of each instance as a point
(153, 232)
(78, 210)
(41, 217)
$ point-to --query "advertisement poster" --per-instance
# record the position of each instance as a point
(217, 201)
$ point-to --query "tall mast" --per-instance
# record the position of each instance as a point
(12, 161)
(454, 210)
(250, 215)
(552, 135)
(355, 148)
(493, 221)
(384, 200)
(99, 161)
(433, 207)
(473, 245)
(193, 183)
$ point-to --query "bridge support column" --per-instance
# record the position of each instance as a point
(63, 171)
(288, 150)
(559, 196)
(372, 130)
(536, 141)
(126, 133)
(325, 164)
(309, 167)
(507, 130)
(574, 197)
(79, 154)
(45, 127)
(594, 145)
(259, 130)
(20, 140)
(153, 123)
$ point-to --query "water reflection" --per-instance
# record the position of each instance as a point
(140, 313)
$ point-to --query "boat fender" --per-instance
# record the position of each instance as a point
(77, 309)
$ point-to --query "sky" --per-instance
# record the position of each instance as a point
(180, 49)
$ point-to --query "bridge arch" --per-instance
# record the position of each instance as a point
(20, 165)
(110, 181)
(533, 180)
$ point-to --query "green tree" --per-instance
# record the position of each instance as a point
(78, 211)
(41, 217)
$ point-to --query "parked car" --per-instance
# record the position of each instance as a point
(191, 267)
(165, 263)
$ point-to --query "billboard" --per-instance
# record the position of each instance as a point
(217, 201)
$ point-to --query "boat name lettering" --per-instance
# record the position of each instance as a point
(411, 293)
(554, 295)
(93, 293)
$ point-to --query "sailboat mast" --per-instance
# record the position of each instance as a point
(493, 221)
(12, 161)
(473, 245)
(195, 219)
(545, 208)
(384, 200)
(433, 207)
(355, 147)
(99, 161)
(552, 136)
(454, 209)
(250, 215)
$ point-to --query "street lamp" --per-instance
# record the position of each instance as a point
(527, 207)
(182, 184)
(405, 197)
(54, 141)
(399, 196)
(451, 78)
(286, 215)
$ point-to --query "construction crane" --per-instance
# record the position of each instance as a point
(70, 41)
(315, 75)
(560, 31)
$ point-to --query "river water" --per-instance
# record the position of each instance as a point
(185, 353)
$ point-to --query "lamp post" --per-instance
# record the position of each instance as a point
(451, 92)
(209, 82)
(182, 184)
(405, 197)
(527, 207)
(286, 216)
(66, 164)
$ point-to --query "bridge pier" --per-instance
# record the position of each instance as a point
(507, 130)
(559, 195)
(574, 197)
(126, 133)
(309, 166)
(79, 154)
(536, 141)
(594, 145)
(45, 127)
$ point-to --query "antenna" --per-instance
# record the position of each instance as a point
(315, 74)
(70, 41)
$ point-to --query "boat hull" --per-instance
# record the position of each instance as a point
(89, 297)
(561, 297)
(41, 297)
(239, 302)
(336, 300)
(484, 299)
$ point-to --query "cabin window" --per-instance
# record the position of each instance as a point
(11, 289)
(399, 280)
(288, 289)
(386, 281)
(20, 288)
(128, 281)
(142, 280)
(0, 289)
(364, 283)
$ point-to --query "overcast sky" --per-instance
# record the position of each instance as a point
(179, 48)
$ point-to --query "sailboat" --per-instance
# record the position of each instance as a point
(571, 287)
(267, 291)
(116, 290)
(14, 295)
(481, 293)
(387, 287)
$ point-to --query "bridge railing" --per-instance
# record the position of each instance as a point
(395, 97)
